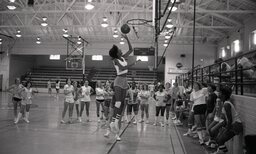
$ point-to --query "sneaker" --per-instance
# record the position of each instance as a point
(112, 127)
(219, 152)
(135, 122)
(155, 124)
(175, 121)
(62, 121)
(208, 142)
(174, 118)
(201, 142)
(213, 145)
(187, 133)
(26, 120)
(98, 120)
(162, 124)
(179, 123)
(88, 120)
(195, 136)
(107, 134)
(79, 119)
(118, 138)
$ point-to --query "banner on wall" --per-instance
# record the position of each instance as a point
(172, 70)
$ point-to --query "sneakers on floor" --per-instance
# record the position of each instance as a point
(107, 134)
(62, 121)
(162, 124)
(79, 119)
(118, 138)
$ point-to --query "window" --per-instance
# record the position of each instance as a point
(254, 37)
(54, 57)
(223, 52)
(142, 58)
(97, 57)
(236, 45)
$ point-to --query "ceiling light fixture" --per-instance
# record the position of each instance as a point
(11, 5)
(89, 5)
(44, 23)
(122, 41)
(0, 41)
(104, 22)
(167, 36)
(79, 40)
(18, 34)
(115, 35)
(169, 23)
(38, 40)
(165, 44)
(65, 34)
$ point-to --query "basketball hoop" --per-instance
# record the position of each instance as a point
(151, 68)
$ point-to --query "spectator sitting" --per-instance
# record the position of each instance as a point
(233, 125)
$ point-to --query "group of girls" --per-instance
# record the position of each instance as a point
(213, 114)
(22, 95)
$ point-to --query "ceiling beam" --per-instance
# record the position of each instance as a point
(131, 11)
(36, 12)
(123, 17)
(92, 26)
(66, 11)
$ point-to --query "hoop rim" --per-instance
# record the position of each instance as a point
(140, 21)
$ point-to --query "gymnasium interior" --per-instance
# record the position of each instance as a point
(175, 41)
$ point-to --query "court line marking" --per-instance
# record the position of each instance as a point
(113, 144)
(172, 143)
(180, 140)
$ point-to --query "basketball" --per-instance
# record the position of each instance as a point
(125, 29)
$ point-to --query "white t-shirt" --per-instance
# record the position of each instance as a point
(86, 93)
(100, 93)
(70, 89)
(160, 96)
(198, 97)
(57, 85)
(144, 96)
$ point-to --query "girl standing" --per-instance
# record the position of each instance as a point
(16, 91)
(100, 92)
(57, 86)
(199, 108)
(68, 100)
(144, 95)
(132, 103)
(160, 104)
(168, 101)
(28, 95)
(77, 96)
(49, 87)
(120, 83)
(86, 91)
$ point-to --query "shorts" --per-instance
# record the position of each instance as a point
(102, 100)
(69, 100)
(57, 90)
(16, 99)
(25, 102)
(200, 109)
(179, 102)
(134, 107)
(121, 81)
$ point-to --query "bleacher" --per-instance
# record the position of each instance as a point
(40, 76)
